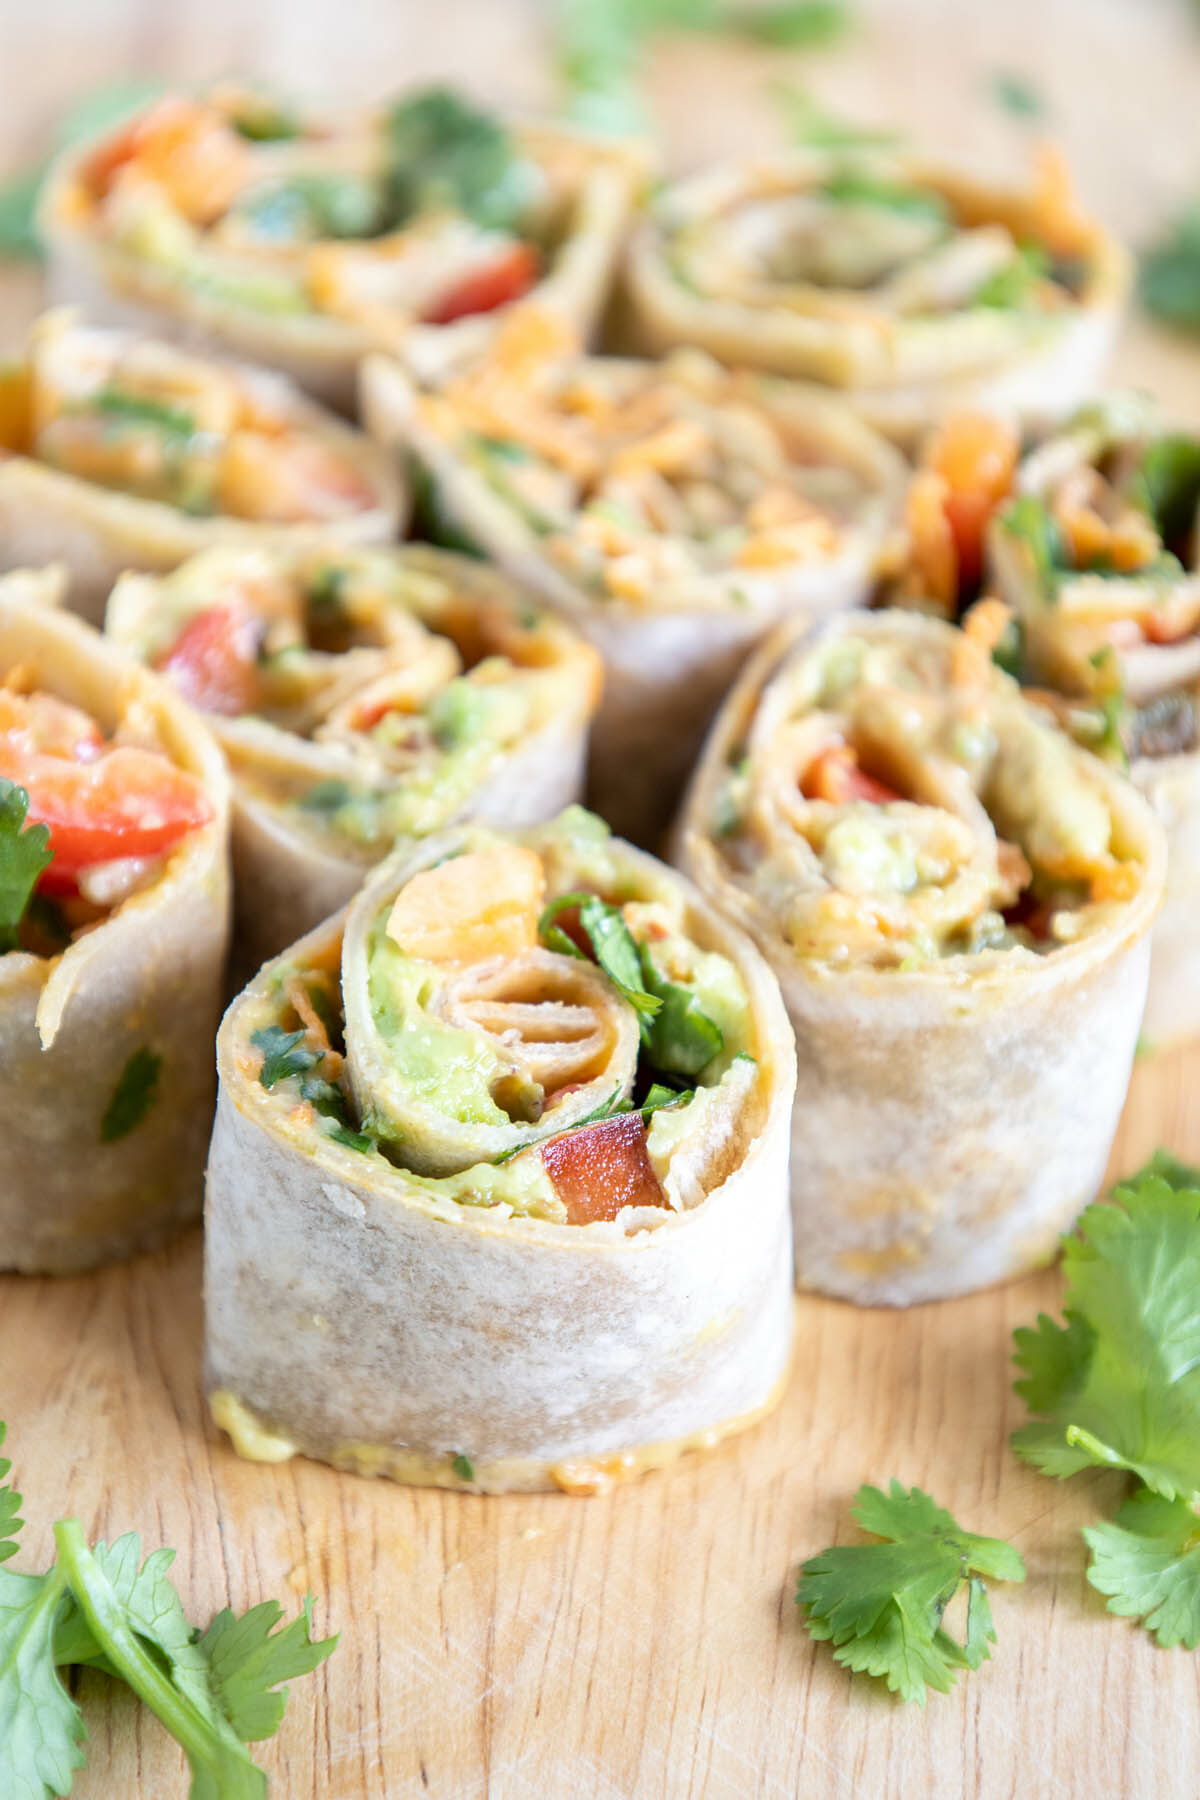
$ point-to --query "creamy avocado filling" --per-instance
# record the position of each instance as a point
(600, 1057)
(1096, 555)
(897, 801)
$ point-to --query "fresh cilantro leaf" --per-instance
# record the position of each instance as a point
(790, 24)
(1017, 94)
(658, 1096)
(1015, 284)
(248, 1660)
(1119, 1384)
(1148, 1564)
(1176, 1174)
(281, 1055)
(612, 944)
(1170, 273)
(220, 1765)
(325, 796)
(24, 853)
(856, 187)
(1029, 518)
(154, 1609)
(681, 1039)
(463, 1467)
(444, 152)
(10, 1508)
(1166, 485)
(807, 122)
(133, 1096)
(353, 1140)
(881, 1605)
(108, 1610)
(142, 411)
(41, 1728)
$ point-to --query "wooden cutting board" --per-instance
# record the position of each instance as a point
(642, 1645)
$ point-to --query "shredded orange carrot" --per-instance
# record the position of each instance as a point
(1058, 219)
(933, 560)
(1115, 881)
(986, 622)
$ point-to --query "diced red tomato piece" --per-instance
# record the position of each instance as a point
(835, 776)
(213, 661)
(598, 1169)
(512, 274)
(976, 456)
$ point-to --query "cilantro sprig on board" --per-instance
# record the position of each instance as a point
(1117, 1386)
(103, 1607)
(882, 1605)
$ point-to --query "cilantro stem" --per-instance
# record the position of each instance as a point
(210, 1745)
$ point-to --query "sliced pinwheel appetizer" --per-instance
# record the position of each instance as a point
(497, 1195)
(302, 243)
(1096, 556)
(114, 894)
(361, 696)
(672, 511)
(909, 285)
(957, 900)
(118, 452)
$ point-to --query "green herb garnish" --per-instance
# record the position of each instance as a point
(881, 1605)
(1170, 273)
(444, 152)
(133, 1096)
(1016, 284)
(855, 187)
(1017, 94)
(140, 411)
(1030, 519)
(1166, 486)
(463, 1467)
(24, 853)
(325, 796)
(104, 1608)
(282, 1055)
(681, 1039)
(612, 943)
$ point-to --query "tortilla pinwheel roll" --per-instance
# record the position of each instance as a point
(121, 452)
(673, 512)
(957, 901)
(497, 1195)
(114, 899)
(910, 286)
(361, 696)
(1096, 556)
(301, 243)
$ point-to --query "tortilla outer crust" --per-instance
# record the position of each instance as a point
(319, 351)
(150, 975)
(899, 381)
(950, 1126)
(96, 533)
(665, 672)
(1172, 786)
(367, 1323)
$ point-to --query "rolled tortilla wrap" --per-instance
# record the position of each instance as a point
(411, 228)
(957, 901)
(1097, 557)
(608, 1287)
(361, 696)
(910, 286)
(111, 987)
(673, 513)
(119, 452)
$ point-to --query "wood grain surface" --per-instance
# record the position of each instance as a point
(643, 1644)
